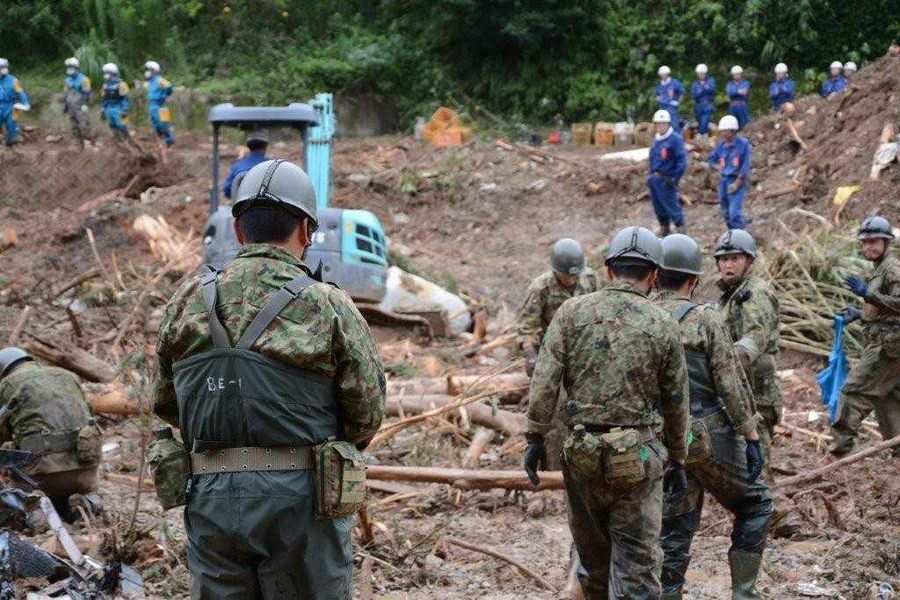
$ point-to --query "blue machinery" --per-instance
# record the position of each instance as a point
(349, 244)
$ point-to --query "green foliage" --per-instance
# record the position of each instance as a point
(522, 59)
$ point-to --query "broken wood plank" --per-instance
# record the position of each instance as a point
(114, 401)
(504, 421)
(483, 436)
(469, 479)
(79, 361)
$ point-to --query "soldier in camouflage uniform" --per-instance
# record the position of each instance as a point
(620, 359)
(874, 382)
(44, 411)
(724, 457)
(305, 369)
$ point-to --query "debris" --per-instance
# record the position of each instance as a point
(841, 196)
(467, 479)
(814, 591)
(507, 422)
(894, 442)
(444, 129)
(481, 549)
(483, 436)
(637, 155)
(72, 358)
(363, 181)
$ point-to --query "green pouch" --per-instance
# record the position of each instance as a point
(623, 457)
(170, 466)
(700, 447)
(88, 445)
(340, 474)
(583, 455)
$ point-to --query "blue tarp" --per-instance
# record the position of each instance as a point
(832, 378)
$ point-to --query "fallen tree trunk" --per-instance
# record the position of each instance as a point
(113, 401)
(507, 385)
(72, 358)
(467, 479)
(483, 436)
(847, 460)
(504, 421)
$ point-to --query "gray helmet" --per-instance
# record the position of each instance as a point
(736, 241)
(875, 228)
(10, 357)
(277, 183)
(567, 257)
(635, 246)
(681, 254)
(257, 137)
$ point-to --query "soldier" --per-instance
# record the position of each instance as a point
(76, 96)
(304, 370)
(620, 359)
(874, 382)
(724, 457)
(44, 412)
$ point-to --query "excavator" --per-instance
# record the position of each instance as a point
(349, 248)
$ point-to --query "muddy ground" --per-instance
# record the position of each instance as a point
(479, 220)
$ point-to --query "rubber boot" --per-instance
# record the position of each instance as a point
(744, 570)
(671, 595)
(682, 229)
(664, 229)
(843, 443)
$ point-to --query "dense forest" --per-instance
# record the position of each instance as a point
(522, 59)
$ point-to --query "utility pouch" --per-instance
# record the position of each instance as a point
(583, 455)
(624, 457)
(700, 447)
(88, 444)
(170, 466)
(340, 475)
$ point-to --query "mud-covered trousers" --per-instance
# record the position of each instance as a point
(616, 532)
(254, 535)
(724, 475)
(873, 384)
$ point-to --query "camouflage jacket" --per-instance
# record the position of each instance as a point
(704, 332)
(544, 297)
(45, 410)
(320, 331)
(881, 312)
(750, 309)
(620, 359)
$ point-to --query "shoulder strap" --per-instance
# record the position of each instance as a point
(264, 317)
(682, 311)
(216, 329)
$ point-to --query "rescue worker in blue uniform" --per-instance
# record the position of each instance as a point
(669, 92)
(781, 91)
(12, 100)
(158, 91)
(668, 161)
(703, 91)
(76, 97)
(850, 70)
(738, 91)
(732, 158)
(257, 142)
(836, 82)
(116, 103)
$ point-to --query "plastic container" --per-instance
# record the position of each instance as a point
(604, 134)
(581, 133)
(624, 133)
(643, 134)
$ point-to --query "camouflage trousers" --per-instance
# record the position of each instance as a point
(616, 532)
(873, 384)
(771, 416)
(724, 476)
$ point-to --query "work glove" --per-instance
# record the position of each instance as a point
(531, 354)
(535, 457)
(850, 314)
(22, 107)
(754, 460)
(84, 108)
(857, 286)
(734, 186)
(674, 481)
(742, 296)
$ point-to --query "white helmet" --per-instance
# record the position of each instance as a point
(73, 63)
(111, 68)
(737, 70)
(152, 65)
(837, 65)
(728, 122)
(4, 64)
(780, 68)
(662, 116)
(701, 69)
(664, 71)
(850, 66)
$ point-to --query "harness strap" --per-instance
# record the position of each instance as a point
(682, 311)
(216, 329)
(264, 317)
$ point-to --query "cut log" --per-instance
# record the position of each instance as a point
(847, 460)
(467, 479)
(504, 421)
(113, 402)
(505, 384)
(792, 132)
(483, 436)
(72, 358)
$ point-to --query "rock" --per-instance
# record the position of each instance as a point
(53, 139)
(361, 180)
(536, 508)
(433, 563)
(488, 187)
(401, 219)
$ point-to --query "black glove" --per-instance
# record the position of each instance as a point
(742, 296)
(535, 457)
(674, 481)
(754, 460)
(531, 355)
(850, 314)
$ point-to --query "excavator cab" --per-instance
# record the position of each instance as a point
(349, 246)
